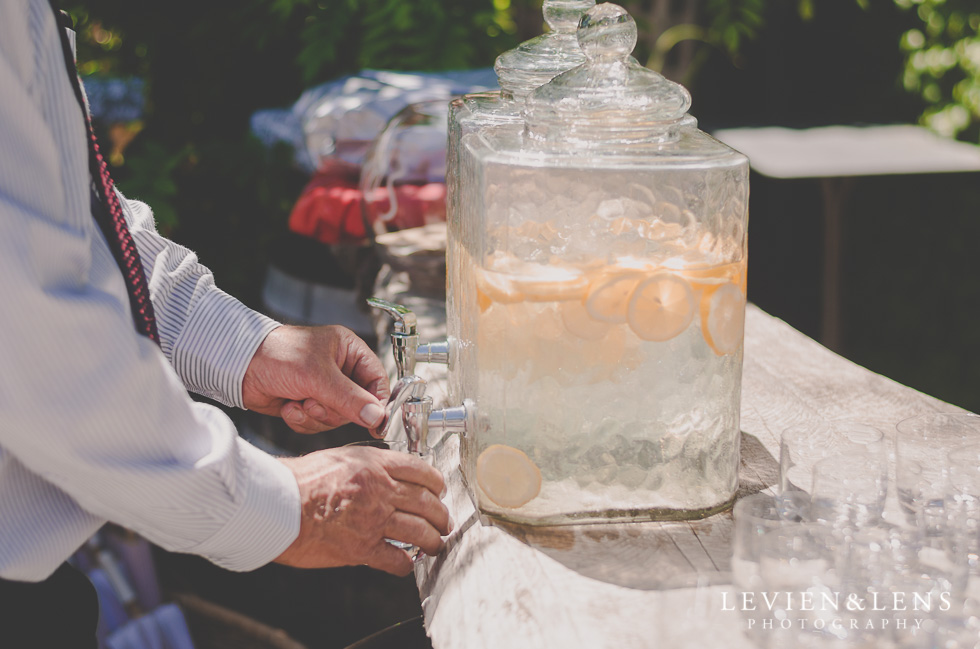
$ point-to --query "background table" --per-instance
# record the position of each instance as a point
(595, 586)
(836, 155)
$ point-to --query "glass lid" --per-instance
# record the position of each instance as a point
(610, 97)
(539, 60)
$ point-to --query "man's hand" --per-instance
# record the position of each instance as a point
(316, 378)
(353, 498)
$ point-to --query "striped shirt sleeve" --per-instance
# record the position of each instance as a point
(208, 336)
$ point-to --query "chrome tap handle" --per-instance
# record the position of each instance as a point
(406, 390)
(405, 337)
(405, 322)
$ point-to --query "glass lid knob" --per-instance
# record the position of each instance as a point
(563, 16)
(607, 32)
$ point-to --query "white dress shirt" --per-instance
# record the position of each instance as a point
(95, 421)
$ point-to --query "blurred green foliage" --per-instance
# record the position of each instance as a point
(393, 34)
(942, 64)
(209, 66)
(733, 21)
(676, 38)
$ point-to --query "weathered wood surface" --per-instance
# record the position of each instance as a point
(594, 586)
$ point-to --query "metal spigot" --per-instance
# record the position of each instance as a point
(407, 388)
(405, 339)
(418, 417)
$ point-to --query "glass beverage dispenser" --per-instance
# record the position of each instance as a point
(600, 297)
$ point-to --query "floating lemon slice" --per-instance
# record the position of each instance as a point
(497, 287)
(482, 300)
(661, 307)
(552, 284)
(629, 262)
(723, 318)
(579, 323)
(507, 476)
(706, 278)
(609, 295)
(701, 280)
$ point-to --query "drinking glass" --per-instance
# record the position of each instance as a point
(804, 445)
(755, 515)
(901, 595)
(849, 491)
(880, 553)
(799, 577)
(920, 448)
(957, 627)
(962, 512)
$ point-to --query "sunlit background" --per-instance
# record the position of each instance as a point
(184, 78)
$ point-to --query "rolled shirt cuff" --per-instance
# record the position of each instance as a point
(216, 346)
(267, 521)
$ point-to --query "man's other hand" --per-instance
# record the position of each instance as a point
(316, 378)
(353, 498)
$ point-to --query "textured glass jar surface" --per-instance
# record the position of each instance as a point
(519, 71)
(467, 114)
(599, 319)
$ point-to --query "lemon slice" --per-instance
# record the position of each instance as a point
(507, 476)
(707, 278)
(701, 280)
(609, 295)
(497, 287)
(482, 300)
(723, 318)
(579, 323)
(661, 307)
(552, 284)
(630, 262)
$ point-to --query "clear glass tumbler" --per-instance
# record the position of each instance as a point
(920, 448)
(800, 579)
(801, 447)
(880, 569)
(849, 491)
(755, 515)
(962, 512)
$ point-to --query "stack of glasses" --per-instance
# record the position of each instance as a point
(825, 564)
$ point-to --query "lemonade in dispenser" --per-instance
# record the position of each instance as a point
(600, 297)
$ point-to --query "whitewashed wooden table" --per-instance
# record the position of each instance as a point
(498, 586)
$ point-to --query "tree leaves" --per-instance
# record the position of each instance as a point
(942, 65)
